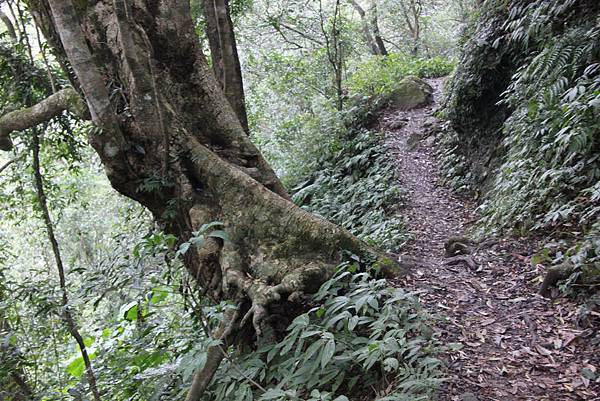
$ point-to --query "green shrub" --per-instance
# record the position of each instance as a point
(362, 335)
(379, 75)
(355, 185)
(551, 170)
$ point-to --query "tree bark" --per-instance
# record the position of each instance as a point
(369, 40)
(371, 23)
(225, 59)
(52, 106)
(172, 125)
(10, 28)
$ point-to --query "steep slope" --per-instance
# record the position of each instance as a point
(524, 112)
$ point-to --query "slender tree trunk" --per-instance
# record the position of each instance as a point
(369, 40)
(333, 47)
(382, 50)
(225, 60)
(67, 315)
(371, 23)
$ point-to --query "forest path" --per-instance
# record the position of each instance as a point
(516, 345)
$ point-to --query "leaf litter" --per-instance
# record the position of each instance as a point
(504, 341)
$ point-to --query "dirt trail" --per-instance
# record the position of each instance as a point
(516, 345)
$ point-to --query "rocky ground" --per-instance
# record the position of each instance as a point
(511, 343)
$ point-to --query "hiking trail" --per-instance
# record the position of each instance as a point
(516, 345)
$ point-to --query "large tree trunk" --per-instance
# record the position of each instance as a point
(170, 140)
(225, 60)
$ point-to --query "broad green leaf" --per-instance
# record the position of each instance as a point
(328, 352)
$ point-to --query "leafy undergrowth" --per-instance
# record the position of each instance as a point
(362, 340)
(549, 177)
(355, 184)
(381, 75)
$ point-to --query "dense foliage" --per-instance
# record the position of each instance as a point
(360, 331)
(354, 183)
(381, 75)
(546, 124)
(146, 326)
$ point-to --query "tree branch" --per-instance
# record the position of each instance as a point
(10, 28)
(8, 163)
(19, 120)
(277, 24)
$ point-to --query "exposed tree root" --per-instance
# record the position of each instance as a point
(553, 276)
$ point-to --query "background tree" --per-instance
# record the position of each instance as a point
(224, 55)
(370, 28)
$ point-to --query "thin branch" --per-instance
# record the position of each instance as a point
(7, 164)
(277, 23)
(24, 37)
(285, 38)
(45, 59)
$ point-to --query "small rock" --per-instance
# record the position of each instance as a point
(468, 397)
(396, 124)
(430, 141)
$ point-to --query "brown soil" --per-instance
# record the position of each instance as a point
(516, 345)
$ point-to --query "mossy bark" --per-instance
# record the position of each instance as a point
(168, 122)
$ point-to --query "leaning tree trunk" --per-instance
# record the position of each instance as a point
(225, 60)
(376, 32)
(366, 29)
(169, 139)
